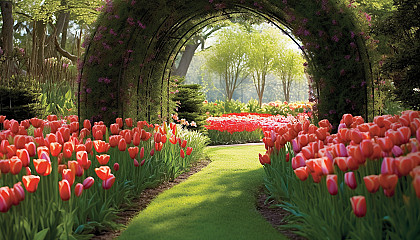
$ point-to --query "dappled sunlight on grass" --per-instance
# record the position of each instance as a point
(216, 203)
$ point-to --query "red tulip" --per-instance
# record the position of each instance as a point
(122, 145)
(133, 151)
(367, 148)
(23, 155)
(5, 166)
(64, 189)
(136, 163)
(97, 134)
(55, 148)
(88, 182)
(108, 182)
(78, 189)
(87, 124)
(69, 175)
(20, 141)
(388, 181)
(152, 152)
(3, 146)
(5, 199)
(136, 139)
(356, 153)
(416, 184)
(142, 162)
(385, 143)
(184, 143)
(173, 139)
(103, 159)
(189, 150)
(340, 150)
(42, 166)
(387, 166)
(350, 180)
(116, 166)
(332, 185)
(115, 129)
(30, 182)
(20, 193)
(82, 159)
(264, 159)
(358, 203)
(142, 153)
(182, 153)
(158, 146)
(129, 122)
(2, 118)
(298, 161)
(103, 172)
(119, 121)
(404, 165)
(352, 163)
(341, 162)
(42, 149)
(15, 165)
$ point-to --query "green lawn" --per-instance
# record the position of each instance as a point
(216, 203)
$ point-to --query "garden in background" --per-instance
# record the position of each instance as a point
(100, 100)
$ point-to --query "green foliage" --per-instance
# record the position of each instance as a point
(57, 98)
(191, 98)
(19, 100)
(402, 65)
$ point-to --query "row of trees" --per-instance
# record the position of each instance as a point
(241, 52)
(40, 28)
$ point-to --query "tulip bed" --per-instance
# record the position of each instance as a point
(361, 183)
(244, 127)
(61, 182)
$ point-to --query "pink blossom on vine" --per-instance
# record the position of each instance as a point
(120, 42)
(352, 34)
(111, 31)
(116, 16)
(305, 20)
(353, 45)
(320, 33)
(133, 2)
(210, 1)
(285, 1)
(306, 32)
(103, 109)
(347, 57)
(335, 38)
(141, 25)
(106, 46)
(342, 72)
(130, 21)
(97, 37)
(334, 22)
(88, 90)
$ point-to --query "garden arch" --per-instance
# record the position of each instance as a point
(126, 68)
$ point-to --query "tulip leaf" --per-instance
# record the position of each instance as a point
(41, 234)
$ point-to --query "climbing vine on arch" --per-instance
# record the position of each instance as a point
(125, 70)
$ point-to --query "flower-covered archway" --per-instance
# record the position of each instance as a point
(129, 55)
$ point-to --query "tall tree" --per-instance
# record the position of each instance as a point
(227, 58)
(262, 54)
(289, 67)
(7, 36)
(403, 64)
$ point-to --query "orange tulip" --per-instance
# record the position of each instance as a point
(301, 173)
(100, 146)
(358, 203)
(30, 182)
(55, 148)
(372, 183)
(103, 159)
(64, 189)
(103, 172)
(388, 181)
(42, 166)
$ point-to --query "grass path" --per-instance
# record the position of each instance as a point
(216, 203)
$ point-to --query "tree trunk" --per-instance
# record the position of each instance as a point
(64, 31)
(185, 61)
(40, 46)
(7, 36)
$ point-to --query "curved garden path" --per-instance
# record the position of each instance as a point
(216, 203)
